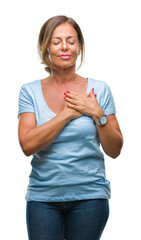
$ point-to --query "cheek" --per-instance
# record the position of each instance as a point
(54, 50)
(75, 50)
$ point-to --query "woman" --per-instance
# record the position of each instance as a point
(62, 120)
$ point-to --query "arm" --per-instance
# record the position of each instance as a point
(110, 135)
(33, 139)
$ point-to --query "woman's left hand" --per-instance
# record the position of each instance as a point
(86, 104)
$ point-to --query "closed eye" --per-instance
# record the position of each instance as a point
(72, 43)
(56, 43)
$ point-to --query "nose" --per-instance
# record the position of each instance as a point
(64, 45)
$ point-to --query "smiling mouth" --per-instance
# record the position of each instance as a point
(67, 56)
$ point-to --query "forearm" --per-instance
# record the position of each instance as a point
(39, 137)
(109, 134)
(111, 140)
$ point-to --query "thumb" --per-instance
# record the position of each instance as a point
(92, 93)
(88, 94)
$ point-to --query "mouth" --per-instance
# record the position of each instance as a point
(65, 56)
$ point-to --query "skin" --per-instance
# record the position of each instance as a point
(76, 103)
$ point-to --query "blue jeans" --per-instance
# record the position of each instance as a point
(75, 220)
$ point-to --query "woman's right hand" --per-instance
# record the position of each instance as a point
(69, 112)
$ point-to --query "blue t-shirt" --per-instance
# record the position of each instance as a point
(72, 166)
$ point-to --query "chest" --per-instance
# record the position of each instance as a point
(54, 95)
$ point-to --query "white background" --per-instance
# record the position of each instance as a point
(112, 32)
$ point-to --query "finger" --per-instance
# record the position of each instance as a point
(92, 92)
(73, 107)
(70, 100)
(88, 95)
(72, 94)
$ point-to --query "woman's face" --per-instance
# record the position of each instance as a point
(64, 47)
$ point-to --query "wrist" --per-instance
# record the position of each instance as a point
(100, 119)
(65, 115)
(96, 116)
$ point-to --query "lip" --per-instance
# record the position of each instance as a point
(65, 56)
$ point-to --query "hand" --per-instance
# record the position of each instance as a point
(71, 113)
(86, 104)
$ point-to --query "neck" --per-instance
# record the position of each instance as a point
(63, 76)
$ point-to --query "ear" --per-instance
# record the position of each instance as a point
(79, 49)
(41, 46)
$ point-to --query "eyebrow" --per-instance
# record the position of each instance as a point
(60, 37)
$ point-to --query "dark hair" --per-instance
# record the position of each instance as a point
(45, 38)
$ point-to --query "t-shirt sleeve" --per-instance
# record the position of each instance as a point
(25, 101)
(107, 101)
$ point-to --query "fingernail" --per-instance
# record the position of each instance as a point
(65, 93)
(95, 95)
(64, 97)
(67, 105)
(68, 91)
(92, 89)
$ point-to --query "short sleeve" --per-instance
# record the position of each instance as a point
(25, 101)
(107, 101)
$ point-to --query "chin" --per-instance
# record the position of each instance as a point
(65, 65)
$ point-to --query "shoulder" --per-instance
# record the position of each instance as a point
(31, 87)
(102, 89)
(30, 84)
(98, 85)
